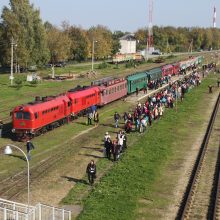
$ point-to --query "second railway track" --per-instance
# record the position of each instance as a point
(200, 198)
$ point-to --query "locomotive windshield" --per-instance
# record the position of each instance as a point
(23, 115)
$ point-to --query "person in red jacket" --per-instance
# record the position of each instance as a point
(91, 171)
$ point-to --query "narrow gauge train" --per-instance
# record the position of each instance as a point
(35, 118)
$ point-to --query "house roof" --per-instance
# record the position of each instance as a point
(129, 37)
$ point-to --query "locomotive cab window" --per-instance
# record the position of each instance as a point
(19, 115)
(26, 116)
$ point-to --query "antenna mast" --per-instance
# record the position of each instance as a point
(150, 39)
(214, 18)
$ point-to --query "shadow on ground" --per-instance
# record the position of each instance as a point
(75, 180)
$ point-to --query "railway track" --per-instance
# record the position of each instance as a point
(216, 211)
(202, 196)
(13, 186)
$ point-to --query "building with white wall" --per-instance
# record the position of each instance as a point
(128, 44)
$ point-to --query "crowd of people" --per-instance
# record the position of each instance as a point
(153, 108)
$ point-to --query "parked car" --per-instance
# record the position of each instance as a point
(156, 52)
(60, 64)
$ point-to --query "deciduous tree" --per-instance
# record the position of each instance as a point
(22, 22)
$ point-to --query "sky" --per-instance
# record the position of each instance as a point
(127, 15)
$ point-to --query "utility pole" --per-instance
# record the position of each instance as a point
(93, 51)
(146, 54)
(150, 39)
(190, 47)
(12, 61)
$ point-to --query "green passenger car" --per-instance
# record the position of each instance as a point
(155, 73)
(137, 80)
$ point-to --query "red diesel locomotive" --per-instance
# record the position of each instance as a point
(44, 114)
(37, 117)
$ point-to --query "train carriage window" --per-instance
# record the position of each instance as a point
(26, 115)
(109, 91)
(69, 104)
(19, 115)
(36, 115)
(118, 88)
(115, 89)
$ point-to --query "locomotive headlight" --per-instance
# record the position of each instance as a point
(13, 130)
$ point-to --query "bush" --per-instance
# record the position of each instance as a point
(34, 82)
(18, 83)
(116, 66)
(150, 61)
(130, 64)
(171, 56)
(103, 65)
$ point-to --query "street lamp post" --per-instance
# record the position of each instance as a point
(8, 151)
(12, 60)
(93, 50)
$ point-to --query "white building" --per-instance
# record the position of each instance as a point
(128, 44)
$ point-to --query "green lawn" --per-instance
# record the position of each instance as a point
(128, 190)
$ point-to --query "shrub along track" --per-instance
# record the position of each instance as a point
(199, 198)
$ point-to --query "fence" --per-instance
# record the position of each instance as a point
(17, 211)
(51, 213)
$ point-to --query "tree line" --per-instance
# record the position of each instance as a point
(181, 39)
(37, 43)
